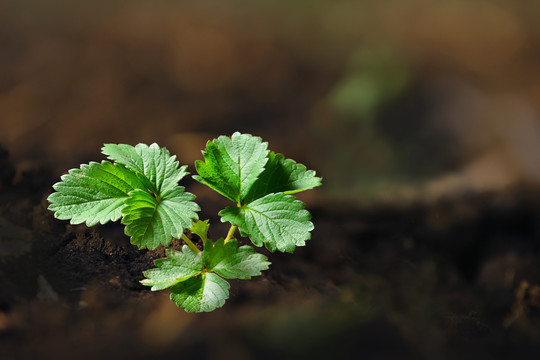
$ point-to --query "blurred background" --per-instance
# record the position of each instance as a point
(379, 96)
(392, 102)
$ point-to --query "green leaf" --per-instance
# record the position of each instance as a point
(154, 165)
(231, 165)
(282, 175)
(233, 262)
(95, 193)
(151, 222)
(176, 267)
(200, 228)
(276, 220)
(205, 292)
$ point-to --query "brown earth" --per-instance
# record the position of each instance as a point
(457, 278)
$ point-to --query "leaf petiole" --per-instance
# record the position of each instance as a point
(231, 233)
(190, 244)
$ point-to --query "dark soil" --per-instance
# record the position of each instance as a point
(454, 279)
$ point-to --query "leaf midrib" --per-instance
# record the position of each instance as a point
(274, 222)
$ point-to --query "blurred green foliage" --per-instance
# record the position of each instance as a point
(375, 76)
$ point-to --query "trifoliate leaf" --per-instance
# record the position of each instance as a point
(176, 267)
(231, 165)
(200, 228)
(155, 164)
(204, 292)
(151, 222)
(282, 175)
(277, 220)
(233, 262)
(95, 193)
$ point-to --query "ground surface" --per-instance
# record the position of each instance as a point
(451, 279)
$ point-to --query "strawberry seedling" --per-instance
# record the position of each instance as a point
(139, 187)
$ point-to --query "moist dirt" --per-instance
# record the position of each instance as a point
(453, 278)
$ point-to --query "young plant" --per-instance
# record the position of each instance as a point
(140, 188)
